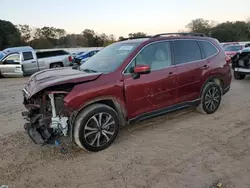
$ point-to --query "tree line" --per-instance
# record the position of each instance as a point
(51, 37)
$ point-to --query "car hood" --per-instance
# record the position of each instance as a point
(54, 77)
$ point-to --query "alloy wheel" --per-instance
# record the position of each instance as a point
(212, 98)
(99, 129)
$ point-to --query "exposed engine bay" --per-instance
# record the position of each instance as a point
(241, 60)
(47, 119)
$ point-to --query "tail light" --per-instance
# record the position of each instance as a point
(70, 58)
(228, 59)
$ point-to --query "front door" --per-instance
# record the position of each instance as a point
(155, 90)
(10, 66)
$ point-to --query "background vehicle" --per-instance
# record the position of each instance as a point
(84, 56)
(76, 54)
(225, 44)
(233, 49)
(126, 82)
(241, 64)
(247, 45)
(25, 60)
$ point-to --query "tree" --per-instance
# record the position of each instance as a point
(121, 38)
(41, 43)
(199, 25)
(110, 40)
(138, 34)
(89, 38)
(25, 31)
(9, 35)
(231, 31)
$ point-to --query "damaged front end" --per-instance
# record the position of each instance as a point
(47, 118)
(241, 61)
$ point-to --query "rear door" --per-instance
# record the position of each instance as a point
(155, 90)
(43, 59)
(11, 66)
(190, 65)
(29, 61)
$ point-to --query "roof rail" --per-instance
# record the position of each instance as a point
(130, 38)
(181, 34)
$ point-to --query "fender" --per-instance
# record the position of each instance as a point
(212, 78)
(119, 107)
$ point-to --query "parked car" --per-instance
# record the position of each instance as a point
(74, 54)
(241, 64)
(126, 82)
(231, 50)
(225, 44)
(19, 61)
(85, 56)
(247, 45)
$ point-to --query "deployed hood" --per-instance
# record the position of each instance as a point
(54, 77)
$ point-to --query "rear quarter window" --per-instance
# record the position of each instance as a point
(208, 48)
(186, 51)
(51, 53)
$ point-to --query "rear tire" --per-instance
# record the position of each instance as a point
(96, 127)
(210, 98)
(56, 65)
(239, 75)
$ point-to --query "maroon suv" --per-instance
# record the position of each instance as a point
(126, 82)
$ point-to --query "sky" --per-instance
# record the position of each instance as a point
(121, 17)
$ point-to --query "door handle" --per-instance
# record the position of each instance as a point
(33, 61)
(205, 67)
(170, 73)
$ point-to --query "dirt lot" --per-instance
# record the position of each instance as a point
(184, 149)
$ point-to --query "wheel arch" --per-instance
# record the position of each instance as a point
(59, 62)
(112, 102)
(215, 79)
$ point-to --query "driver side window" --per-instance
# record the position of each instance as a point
(156, 55)
(12, 59)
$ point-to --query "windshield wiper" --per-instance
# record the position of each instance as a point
(88, 70)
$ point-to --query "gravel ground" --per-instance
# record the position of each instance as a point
(183, 149)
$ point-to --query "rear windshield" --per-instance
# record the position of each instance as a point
(233, 48)
(51, 53)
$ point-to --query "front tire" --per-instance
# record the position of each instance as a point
(210, 98)
(239, 75)
(96, 127)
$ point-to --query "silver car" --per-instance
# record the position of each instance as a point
(21, 61)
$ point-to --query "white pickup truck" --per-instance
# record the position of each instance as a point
(22, 61)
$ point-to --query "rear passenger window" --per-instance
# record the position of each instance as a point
(186, 51)
(52, 53)
(208, 48)
(27, 56)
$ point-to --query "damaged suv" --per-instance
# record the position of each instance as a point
(126, 82)
(241, 64)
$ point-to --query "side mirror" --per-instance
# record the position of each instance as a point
(142, 69)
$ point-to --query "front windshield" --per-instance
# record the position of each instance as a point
(1, 55)
(233, 48)
(109, 58)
